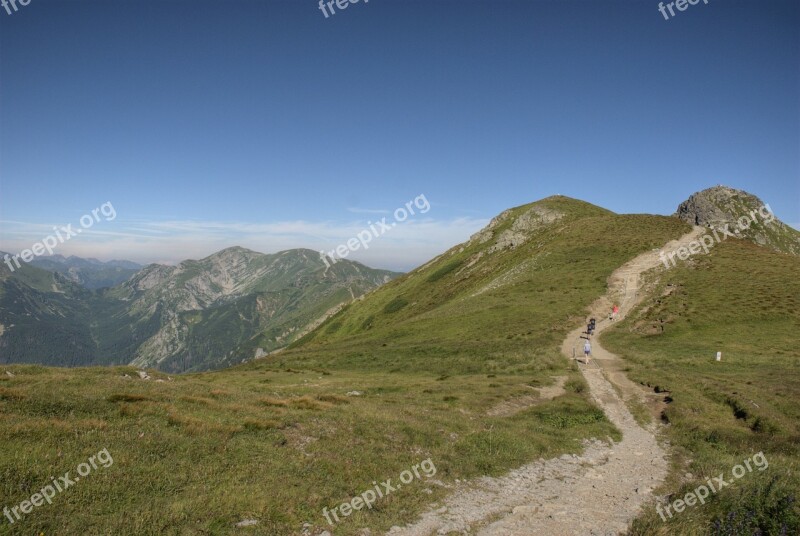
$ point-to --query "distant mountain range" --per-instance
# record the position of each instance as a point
(90, 273)
(197, 315)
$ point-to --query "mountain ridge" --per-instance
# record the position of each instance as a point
(190, 316)
(236, 303)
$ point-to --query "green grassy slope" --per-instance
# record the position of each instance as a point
(472, 311)
(742, 300)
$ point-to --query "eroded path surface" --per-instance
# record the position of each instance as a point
(596, 493)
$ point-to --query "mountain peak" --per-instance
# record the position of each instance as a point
(716, 205)
(721, 206)
(233, 251)
(515, 226)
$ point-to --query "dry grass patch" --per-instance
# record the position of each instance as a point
(273, 401)
(333, 399)
(37, 426)
(11, 394)
(261, 424)
(199, 427)
(307, 402)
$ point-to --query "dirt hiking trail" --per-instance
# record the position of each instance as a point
(596, 493)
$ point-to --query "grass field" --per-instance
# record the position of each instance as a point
(200, 453)
(742, 300)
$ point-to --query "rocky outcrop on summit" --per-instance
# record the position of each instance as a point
(716, 206)
(743, 213)
(518, 233)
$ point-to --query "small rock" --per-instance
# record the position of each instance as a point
(354, 393)
(325, 533)
(10, 374)
(160, 381)
(247, 523)
(143, 375)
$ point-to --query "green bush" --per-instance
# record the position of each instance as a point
(444, 270)
(395, 305)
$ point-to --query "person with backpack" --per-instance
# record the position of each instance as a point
(614, 312)
(587, 351)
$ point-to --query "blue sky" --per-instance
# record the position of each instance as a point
(263, 124)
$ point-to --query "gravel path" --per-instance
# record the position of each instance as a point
(596, 493)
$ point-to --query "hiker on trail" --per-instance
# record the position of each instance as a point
(614, 312)
(587, 350)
